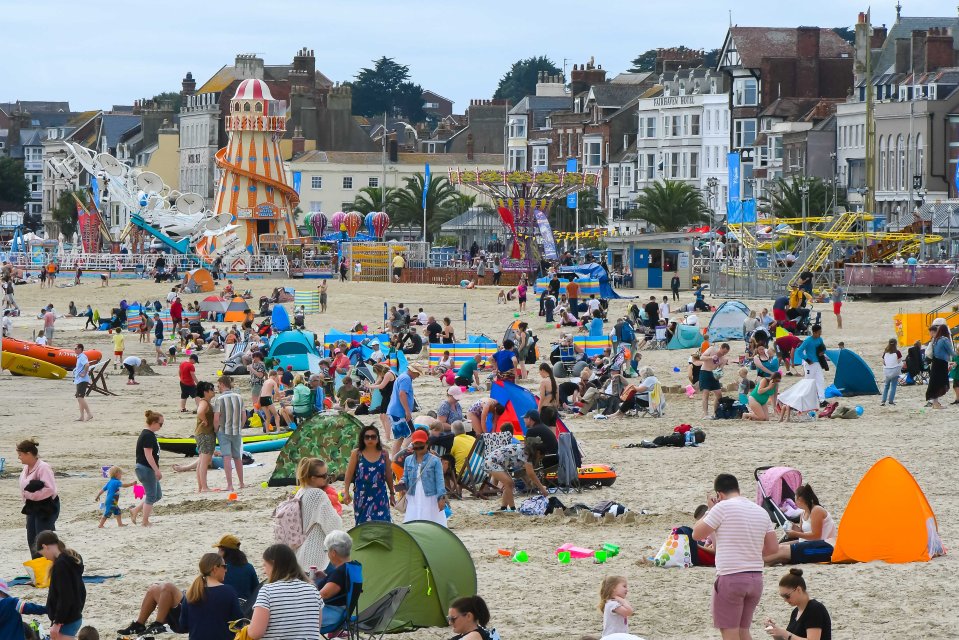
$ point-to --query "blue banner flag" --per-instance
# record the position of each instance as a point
(955, 178)
(571, 199)
(735, 175)
(426, 183)
(297, 180)
(546, 235)
(95, 189)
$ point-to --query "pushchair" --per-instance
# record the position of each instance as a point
(776, 493)
(917, 369)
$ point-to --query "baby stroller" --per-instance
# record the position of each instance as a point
(917, 369)
(776, 493)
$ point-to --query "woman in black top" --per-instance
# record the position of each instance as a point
(469, 616)
(809, 620)
(67, 595)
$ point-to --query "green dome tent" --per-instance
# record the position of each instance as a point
(427, 557)
(686, 337)
(328, 436)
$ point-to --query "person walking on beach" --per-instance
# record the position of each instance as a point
(38, 488)
(188, 382)
(838, 297)
(158, 338)
(148, 467)
(229, 416)
(400, 407)
(674, 286)
(370, 477)
(323, 296)
(49, 319)
(743, 534)
(713, 359)
(82, 382)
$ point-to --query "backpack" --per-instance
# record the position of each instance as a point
(288, 523)
(627, 333)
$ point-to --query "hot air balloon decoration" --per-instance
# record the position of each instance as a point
(318, 221)
(380, 223)
(353, 221)
(368, 222)
(336, 221)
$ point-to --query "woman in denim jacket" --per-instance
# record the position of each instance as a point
(423, 477)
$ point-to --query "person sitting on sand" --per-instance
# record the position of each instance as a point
(210, 605)
(166, 599)
(505, 461)
(810, 540)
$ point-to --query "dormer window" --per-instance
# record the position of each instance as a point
(258, 107)
(236, 106)
(246, 106)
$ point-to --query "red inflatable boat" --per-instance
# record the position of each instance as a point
(65, 358)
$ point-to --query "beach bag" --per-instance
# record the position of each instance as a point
(38, 570)
(535, 506)
(288, 523)
(675, 552)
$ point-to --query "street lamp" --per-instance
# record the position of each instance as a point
(920, 200)
(712, 184)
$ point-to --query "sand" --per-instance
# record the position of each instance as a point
(538, 600)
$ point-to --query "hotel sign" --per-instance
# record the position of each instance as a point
(674, 101)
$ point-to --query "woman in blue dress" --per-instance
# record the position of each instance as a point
(371, 473)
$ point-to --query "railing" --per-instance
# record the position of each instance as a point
(892, 275)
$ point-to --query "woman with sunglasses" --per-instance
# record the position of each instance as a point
(316, 508)
(469, 616)
(210, 606)
(425, 488)
(371, 473)
(809, 619)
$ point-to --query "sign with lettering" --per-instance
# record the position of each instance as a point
(266, 210)
(674, 101)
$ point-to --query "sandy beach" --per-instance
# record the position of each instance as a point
(536, 601)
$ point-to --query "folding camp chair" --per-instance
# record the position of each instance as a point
(567, 356)
(473, 476)
(659, 339)
(98, 379)
(354, 574)
(375, 620)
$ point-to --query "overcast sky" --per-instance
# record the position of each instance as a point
(96, 53)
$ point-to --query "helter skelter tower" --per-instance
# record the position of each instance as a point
(253, 187)
(523, 200)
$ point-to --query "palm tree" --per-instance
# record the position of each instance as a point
(590, 212)
(670, 205)
(785, 198)
(442, 203)
(371, 199)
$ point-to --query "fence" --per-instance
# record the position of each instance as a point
(869, 276)
(735, 278)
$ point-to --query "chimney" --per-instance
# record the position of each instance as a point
(807, 62)
(878, 37)
(469, 146)
(919, 51)
(863, 48)
(248, 66)
(939, 51)
(188, 85)
(305, 61)
(548, 85)
(902, 55)
(299, 142)
(585, 76)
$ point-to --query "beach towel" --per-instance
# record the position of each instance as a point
(87, 579)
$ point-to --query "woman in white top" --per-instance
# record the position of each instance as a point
(813, 538)
(891, 368)
(317, 511)
(287, 607)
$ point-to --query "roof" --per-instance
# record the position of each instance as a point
(614, 95)
(115, 125)
(253, 89)
(433, 93)
(31, 138)
(35, 106)
(226, 76)
(473, 219)
(541, 107)
(755, 43)
(789, 108)
(903, 28)
(376, 158)
(632, 78)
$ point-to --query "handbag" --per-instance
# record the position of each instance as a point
(403, 503)
(675, 552)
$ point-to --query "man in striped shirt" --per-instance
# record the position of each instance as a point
(229, 416)
(743, 534)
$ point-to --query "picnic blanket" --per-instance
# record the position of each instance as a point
(87, 579)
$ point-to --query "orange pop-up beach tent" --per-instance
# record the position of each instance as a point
(910, 535)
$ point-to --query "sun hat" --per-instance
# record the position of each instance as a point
(229, 541)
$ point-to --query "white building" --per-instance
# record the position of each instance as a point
(199, 131)
(331, 180)
(683, 134)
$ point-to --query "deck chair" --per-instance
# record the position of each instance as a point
(657, 402)
(567, 356)
(354, 573)
(374, 621)
(473, 476)
(659, 339)
(98, 379)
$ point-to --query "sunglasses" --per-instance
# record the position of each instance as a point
(785, 596)
(371, 436)
(419, 447)
(452, 619)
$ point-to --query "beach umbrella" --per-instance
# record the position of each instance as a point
(214, 304)
(336, 221)
(368, 222)
(318, 222)
(381, 220)
(352, 223)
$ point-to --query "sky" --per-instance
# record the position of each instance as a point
(96, 53)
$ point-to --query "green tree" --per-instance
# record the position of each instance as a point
(65, 212)
(386, 89)
(371, 199)
(520, 80)
(173, 97)
(785, 197)
(14, 188)
(847, 34)
(670, 205)
(442, 203)
(591, 213)
(646, 61)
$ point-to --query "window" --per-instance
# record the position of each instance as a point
(373, 182)
(694, 165)
(648, 166)
(36, 182)
(676, 128)
(745, 92)
(316, 206)
(694, 124)
(517, 128)
(882, 164)
(614, 176)
(686, 124)
(348, 182)
(651, 127)
(593, 152)
(614, 206)
(744, 133)
(920, 156)
(709, 120)
(540, 158)
(673, 167)
(316, 182)
(775, 148)
(627, 177)
(517, 159)
(901, 173)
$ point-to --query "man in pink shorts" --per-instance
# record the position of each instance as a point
(742, 533)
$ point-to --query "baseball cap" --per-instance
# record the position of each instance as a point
(420, 436)
(455, 391)
(533, 415)
(229, 541)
